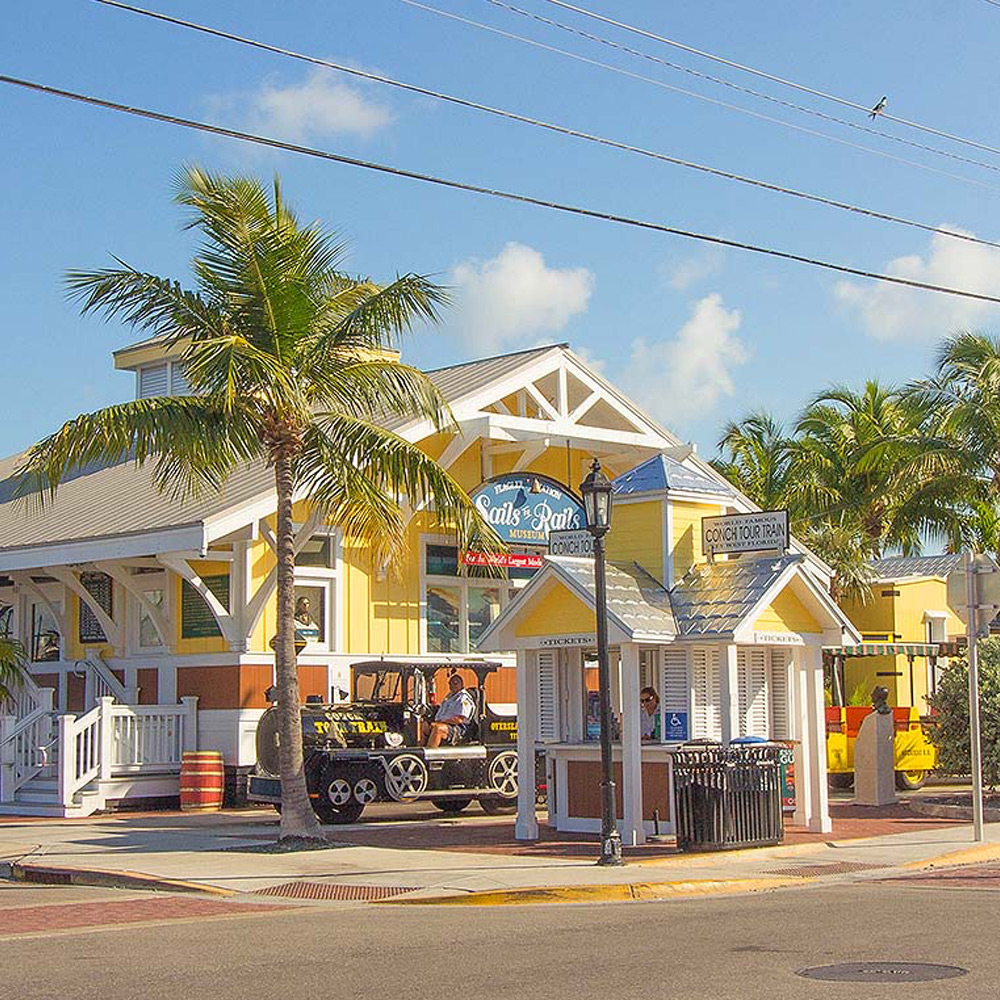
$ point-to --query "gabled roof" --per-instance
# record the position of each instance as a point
(895, 568)
(716, 599)
(661, 473)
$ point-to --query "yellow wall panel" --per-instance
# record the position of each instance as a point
(636, 535)
(557, 611)
(687, 548)
(786, 613)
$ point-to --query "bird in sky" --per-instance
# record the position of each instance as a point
(878, 109)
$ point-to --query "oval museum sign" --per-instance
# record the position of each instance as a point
(523, 507)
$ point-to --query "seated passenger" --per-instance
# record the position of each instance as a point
(454, 718)
(650, 714)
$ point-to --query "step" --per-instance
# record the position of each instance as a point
(29, 794)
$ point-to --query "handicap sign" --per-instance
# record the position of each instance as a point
(677, 725)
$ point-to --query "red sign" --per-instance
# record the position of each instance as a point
(508, 560)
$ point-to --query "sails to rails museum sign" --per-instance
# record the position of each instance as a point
(523, 508)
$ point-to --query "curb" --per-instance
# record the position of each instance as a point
(618, 893)
(55, 875)
(963, 856)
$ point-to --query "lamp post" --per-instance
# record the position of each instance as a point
(596, 490)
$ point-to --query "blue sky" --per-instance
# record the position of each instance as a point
(696, 335)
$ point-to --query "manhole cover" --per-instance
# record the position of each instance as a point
(882, 972)
(332, 890)
(825, 868)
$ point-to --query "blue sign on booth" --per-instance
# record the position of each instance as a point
(677, 725)
(523, 507)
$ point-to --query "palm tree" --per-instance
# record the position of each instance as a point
(964, 396)
(12, 673)
(284, 354)
(757, 458)
(874, 459)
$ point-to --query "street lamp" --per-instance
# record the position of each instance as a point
(596, 490)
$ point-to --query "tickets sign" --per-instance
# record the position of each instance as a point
(523, 508)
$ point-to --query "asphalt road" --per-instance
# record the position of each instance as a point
(743, 948)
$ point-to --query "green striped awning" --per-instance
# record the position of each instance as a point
(885, 649)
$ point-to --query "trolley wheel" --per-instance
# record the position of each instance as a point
(493, 806)
(451, 805)
(335, 802)
(843, 781)
(910, 781)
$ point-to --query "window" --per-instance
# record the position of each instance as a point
(311, 612)
(318, 551)
(165, 378)
(461, 601)
(99, 586)
(149, 638)
(45, 639)
(197, 620)
(6, 620)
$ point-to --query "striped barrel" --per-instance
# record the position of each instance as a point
(201, 780)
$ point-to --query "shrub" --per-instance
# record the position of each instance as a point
(951, 705)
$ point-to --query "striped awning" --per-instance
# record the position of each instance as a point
(885, 649)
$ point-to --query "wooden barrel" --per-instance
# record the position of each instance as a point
(202, 777)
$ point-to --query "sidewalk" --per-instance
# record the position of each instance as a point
(452, 859)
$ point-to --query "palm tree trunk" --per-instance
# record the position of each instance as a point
(297, 816)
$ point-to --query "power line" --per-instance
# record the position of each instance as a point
(513, 196)
(902, 140)
(770, 76)
(549, 126)
(701, 97)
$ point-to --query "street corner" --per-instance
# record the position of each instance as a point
(109, 879)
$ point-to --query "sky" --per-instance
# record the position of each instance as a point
(698, 335)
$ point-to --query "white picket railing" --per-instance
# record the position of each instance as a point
(25, 739)
(101, 682)
(113, 740)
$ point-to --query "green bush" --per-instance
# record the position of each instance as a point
(951, 705)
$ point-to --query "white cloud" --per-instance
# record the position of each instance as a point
(321, 106)
(682, 274)
(514, 297)
(683, 378)
(891, 312)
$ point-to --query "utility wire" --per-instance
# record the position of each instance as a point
(512, 196)
(701, 97)
(902, 140)
(549, 126)
(770, 76)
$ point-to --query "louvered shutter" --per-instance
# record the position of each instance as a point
(179, 385)
(675, 684)
(752, 674)
(153, 381)
(779, 694)
(706, 712)
(548, 708)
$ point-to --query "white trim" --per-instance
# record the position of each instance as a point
(161, 622)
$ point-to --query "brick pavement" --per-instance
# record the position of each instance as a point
(986, 876)
(56, 916)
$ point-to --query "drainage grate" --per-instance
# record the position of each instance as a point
(332, 890)
(825, 868)
(882, 972)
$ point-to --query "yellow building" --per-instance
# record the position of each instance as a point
(909, 603)
(148, 618)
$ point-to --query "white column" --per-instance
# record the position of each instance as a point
(67, 759)
(799, 731)
(6, 758)
(106, 736)
(526, 825)
(189, 741)
(819, 820)
(729, 692)
(166, 684)
(632, 830)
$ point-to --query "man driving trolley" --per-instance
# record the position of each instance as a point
(454, 718)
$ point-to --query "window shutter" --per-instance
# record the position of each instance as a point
(779, 694)
(548, 711)
(674, 682)
(752, 671)
(153, 381)
(706, 693)
(179, 385)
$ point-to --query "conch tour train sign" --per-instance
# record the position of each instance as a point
(523, 508)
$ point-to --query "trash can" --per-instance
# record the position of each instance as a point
(727, 797)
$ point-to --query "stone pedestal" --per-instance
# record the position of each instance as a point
(874, 774)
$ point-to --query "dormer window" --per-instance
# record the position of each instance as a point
(163, 378)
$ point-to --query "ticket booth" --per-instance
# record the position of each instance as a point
(733, 649)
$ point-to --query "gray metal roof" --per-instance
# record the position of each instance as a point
(638, 601)
(457, 381)
(661, 473)
(901, 567)
(715, 599)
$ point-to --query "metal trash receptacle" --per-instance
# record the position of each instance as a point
(727, 797)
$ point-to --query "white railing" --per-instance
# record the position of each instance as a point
(112, 740)
(26, 698)
(25, 742)
(101, 682)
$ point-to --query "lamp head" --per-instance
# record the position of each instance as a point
(596, 490)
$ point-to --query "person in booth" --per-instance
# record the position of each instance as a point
(454, 718)
(649, 702)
